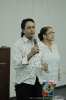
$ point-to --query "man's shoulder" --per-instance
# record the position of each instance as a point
(18, 42)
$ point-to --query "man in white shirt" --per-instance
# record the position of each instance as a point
(27, 64)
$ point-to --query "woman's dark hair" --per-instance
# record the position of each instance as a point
(43, 31)
(23, 24)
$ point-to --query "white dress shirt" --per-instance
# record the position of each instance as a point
(53, 60)
(26, 71)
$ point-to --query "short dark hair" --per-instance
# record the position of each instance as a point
(43, 31)
(23, 24)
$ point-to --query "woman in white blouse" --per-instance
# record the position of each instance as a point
(50, 56)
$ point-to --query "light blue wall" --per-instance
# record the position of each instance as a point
(45, 13)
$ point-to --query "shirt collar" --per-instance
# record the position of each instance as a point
(46, 45)
(25, 39)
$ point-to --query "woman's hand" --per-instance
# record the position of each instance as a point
(45, 66)
(58, 76)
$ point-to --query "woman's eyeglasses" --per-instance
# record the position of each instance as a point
(50, 33)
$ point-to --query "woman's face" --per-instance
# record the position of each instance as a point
(49, 35)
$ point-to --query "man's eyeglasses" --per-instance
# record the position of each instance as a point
(50, 33)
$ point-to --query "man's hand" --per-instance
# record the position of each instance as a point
(34, 51)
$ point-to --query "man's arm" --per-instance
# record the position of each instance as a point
(18, 60)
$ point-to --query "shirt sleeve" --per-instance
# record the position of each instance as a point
(58, 57)
(38, 57)
(39, 60)
(18, 60)
(43, 61)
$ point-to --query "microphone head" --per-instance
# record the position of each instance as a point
(35, 41)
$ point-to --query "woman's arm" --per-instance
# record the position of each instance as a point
(59, 74)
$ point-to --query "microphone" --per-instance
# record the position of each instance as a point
(35, 41)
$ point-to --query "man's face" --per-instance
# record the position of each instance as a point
(29, 30)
